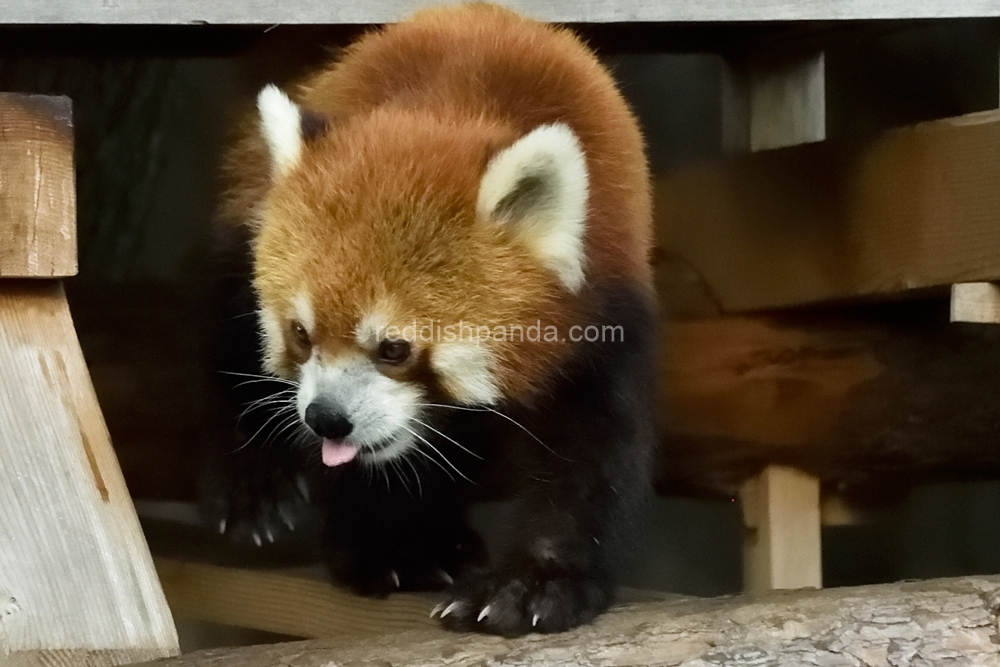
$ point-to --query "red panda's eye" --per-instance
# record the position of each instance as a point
(301, 335)
(393, 351)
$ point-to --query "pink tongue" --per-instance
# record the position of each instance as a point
(337, 452)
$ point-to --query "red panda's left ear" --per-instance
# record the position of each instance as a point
(538, 188)
(281, 126)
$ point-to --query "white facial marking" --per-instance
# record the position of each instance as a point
(273, 341)
(465, 372)
(304, 312)
(281, 125)
(539, 186)
(381, 409)
(371, 329)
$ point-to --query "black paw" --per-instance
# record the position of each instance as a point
(517, 603)
(257, 504)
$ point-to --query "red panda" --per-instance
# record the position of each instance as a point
(450, 229)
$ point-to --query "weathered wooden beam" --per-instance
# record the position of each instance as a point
(37, 193)
(77, 585)
(916, 208)
(341, 11)
(943, 622)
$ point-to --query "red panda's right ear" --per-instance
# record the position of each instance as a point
(538, 189)
(281, 126)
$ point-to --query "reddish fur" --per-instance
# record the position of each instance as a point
(383, 205)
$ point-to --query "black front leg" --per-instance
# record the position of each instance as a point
(560, 572)
(384, 537)
(586, 478)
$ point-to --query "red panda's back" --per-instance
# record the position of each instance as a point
(479, 61)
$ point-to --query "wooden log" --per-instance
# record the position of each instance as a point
(37, 193)
(944, 622)
(77, 584)
(580, 11)
(916, 208)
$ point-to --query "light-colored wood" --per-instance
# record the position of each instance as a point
(918, 207)
(37, 193)
(788, 103)
(342, 11)
(949, 622)
(301, 605)
(768, 103)
(975, 302)
(781, 512)
(77, 584)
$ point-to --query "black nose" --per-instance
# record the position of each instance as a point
(327, 421)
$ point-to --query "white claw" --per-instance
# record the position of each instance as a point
(303, 487)
(395, 578)
(222, 527)
(483, 614)
(450, 608)
(437, 609)
(285, 520)
(534, 620)
(256, 539)
(445, 577)
(269, 535)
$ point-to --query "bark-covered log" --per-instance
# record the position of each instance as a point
(949, 622)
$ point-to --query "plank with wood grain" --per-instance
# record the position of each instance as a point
(916, 208)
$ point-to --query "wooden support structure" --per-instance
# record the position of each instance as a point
(77, 584)
(976, 302)
(943, 622)
(769, 103)
(916, 208)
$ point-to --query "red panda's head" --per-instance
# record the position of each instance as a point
(404, 260)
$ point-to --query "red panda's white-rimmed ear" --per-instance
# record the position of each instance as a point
(539, 188)
(281, 125)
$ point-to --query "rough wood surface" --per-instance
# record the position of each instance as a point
(77, 584)
(871, 399)
(944, 622)
(341, 11)
(916, 208)
(37, 192)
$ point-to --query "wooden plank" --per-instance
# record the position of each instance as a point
(37, 193)
(582, 11)
(943, 622)
(916, 208)
(301, 605)
(77, 584)
(781, 511)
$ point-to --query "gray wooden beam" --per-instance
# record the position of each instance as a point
(582, 11)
